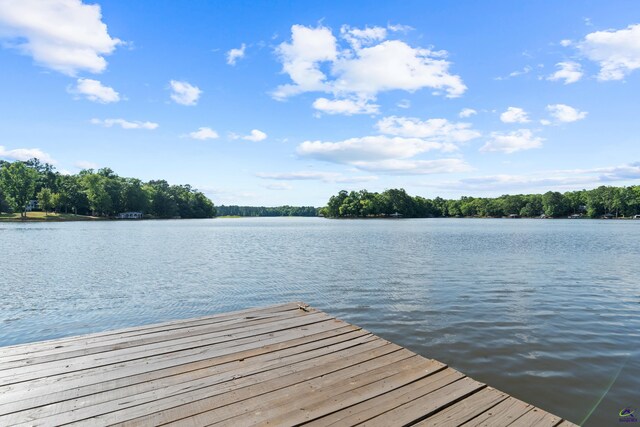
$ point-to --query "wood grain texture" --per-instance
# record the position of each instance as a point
(277, 365)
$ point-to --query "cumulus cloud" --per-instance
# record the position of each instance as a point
(616, 51)
(440, 130)
(124, 124)
(95, 91)
(394, 65)
(345, 106)
(368, 148)
(394, 149)
(415, 167)
(255, 136)
(203, 134)
(568, 71)
(510, 142)
(560, 180)
(234, 55)
(565, 114)
(64, 35)
(25, 154)
(184, 93)
(467, 112)
(301, 60)
(514, 115)
(316, 176)
(358, 37)
(316, 61)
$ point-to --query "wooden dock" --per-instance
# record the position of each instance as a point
(279, 365)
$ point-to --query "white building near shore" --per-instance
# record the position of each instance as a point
(129, 215)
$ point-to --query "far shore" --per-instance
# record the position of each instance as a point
(62, 217)
(51, 217)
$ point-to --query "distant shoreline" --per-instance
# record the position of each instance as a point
(40, 217)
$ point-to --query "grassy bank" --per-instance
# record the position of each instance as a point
(41, 217)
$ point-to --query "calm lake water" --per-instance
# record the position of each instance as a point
(546, 310)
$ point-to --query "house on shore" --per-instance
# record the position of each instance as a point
(129, 215)
(32, 205)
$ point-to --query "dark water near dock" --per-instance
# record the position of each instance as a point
(548, 311)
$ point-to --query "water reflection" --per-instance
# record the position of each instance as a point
(545, 310)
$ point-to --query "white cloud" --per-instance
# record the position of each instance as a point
(63, 35)
(467, 112)
(568, 71)
(203, 134)
(234, 54)
(616, 51)
(415, 167)
(95, 91)
(124, 124)
(394, 65)
(315, 61)
(522, 139)
(560, 180)
(368, 148)
(316, 176)
(345, 106)
(514, 115)
(184, 93)
(565, 114)
(301, 59)
(393, 150)
(83, 164)
(566, 42)
(358, 37)
(25, 154)
(255, 136)
(526, 70)
(404, 103)
(440, 130)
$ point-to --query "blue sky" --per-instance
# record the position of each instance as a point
(274, 102)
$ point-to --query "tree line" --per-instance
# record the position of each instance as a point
(616, 201)
(97, 193)
(234, 210)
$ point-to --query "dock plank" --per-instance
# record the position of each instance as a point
(465, 410)
(31, 348)
(277, 365)
(242, 365)
(205, 399)
(426, 405)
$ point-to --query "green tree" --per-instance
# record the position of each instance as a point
(162, 202)
(99, 199)
(18, 182)
(554, 204)
(133, 196)
(45, 200)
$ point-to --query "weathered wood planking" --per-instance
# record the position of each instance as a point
(279, 365)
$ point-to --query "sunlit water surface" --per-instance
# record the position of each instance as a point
(546, 310)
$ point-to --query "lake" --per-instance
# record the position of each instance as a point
(546, 310)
